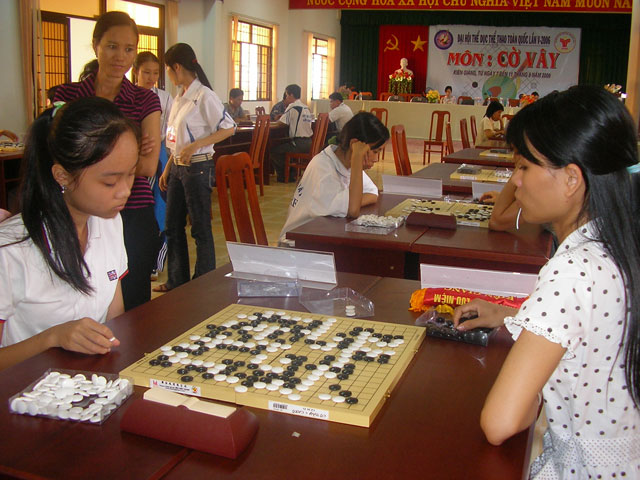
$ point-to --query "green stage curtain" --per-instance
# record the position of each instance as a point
(604, 46)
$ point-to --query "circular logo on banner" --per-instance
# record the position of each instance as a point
(443, 39)
(565, 42)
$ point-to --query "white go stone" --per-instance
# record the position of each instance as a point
(294, 396)
(241, 389)
(219, 377)
(324, 396)
(259, 385)
(338, 399)
(286, 391)
(272, 388)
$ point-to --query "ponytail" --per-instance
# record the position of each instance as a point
(183, 54)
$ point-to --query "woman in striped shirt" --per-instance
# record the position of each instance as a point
(115, 40)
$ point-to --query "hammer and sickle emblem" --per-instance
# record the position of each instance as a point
(391, 45)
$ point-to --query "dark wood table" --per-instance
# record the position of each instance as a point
(429, 424)
(9, 175)
(493, 144)
(443, 171)
(241, 142)
(472, 156)
(400, 253)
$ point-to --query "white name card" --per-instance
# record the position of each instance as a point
(480, 188)
(421, 187)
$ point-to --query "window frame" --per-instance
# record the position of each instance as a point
(264, 92)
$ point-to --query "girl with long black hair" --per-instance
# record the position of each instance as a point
(62, 258)
(578, 335)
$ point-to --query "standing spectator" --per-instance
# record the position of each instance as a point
(115, 40)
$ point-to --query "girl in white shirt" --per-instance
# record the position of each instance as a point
(196, 123)
(577, 336)
(490, 126)
(62, 259)
(334, 183)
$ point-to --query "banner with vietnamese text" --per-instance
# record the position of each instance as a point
(502, 62)
(582, 6)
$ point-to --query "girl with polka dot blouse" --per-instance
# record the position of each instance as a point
(577, 345)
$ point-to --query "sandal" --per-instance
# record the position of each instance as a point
(163, 288)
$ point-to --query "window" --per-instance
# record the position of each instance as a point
(55, 41)
(252, 59)
(320, 68)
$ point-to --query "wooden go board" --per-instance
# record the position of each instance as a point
(330, 368)
(470, 214)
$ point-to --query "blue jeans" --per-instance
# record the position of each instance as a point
(189, 192)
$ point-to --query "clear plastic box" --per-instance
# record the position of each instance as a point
(335, 302)
(75, 395)
(374, 224)
(255, 288)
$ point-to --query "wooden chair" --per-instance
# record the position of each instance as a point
(383, 116)
(462, 98)
(258, 147)
(234, 178)
(366, 96)
(299, 161)
(464, 133)
(514, 102)
(449, 139)
(474, 128)
(400, 152)
(436, 142)
(353, 95)
(260, 111)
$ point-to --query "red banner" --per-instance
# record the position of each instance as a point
(583, 6)
(403, 41)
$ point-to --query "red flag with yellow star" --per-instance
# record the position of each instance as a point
(403, 41)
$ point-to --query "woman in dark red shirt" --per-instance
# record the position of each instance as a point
(115, 41)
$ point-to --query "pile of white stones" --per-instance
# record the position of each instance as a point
(59, 395)
(378, 221)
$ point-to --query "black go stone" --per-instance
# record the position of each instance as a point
(377, 335)
(324, 362)
(369, 359)
(258, 372)
(331, 358)
(351, 400)
(345, 393)
(221, 346)
(201, 369)
(186, 378)
(178, 348)
(182, 371)
(290, 356)
(163, 357)
(335, 387)
(370, 330)
(272, 336)
(399, 337)
(266, 379)
(191, 367)
(235, 327)
(243, 349)
(357, 358)
(261, 347)
(321, 342)
(342, 376)
(353, 333)
(232, 348)
(166, 364)
(310, 366)
(302, 358)
(357, 329)
(350, 365)
(199, 342)
(308, 341)
(288, 373)
(297, 363)
(239, 363)
(383, 360)
(211, 326)
(207, 376)
(154, 362)
(247, 383)
(341, 334)
(255, 351)
(295, 380)
(292, 368)
(252, 366)
(241, 375)
(253, 378)
(227, 361)
(289, 385)
(272, 375)
(334, 369)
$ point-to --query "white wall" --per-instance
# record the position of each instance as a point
(205, 25)
(12, 113)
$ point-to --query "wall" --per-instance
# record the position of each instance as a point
(12, 114)
(205, 25)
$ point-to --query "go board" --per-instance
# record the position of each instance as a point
(330, 368)
(470, 214)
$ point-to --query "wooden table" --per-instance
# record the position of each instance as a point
(9, 175)
(241, 142)
(443, 171)
(429, 424)
(400, 253)
(472, 156)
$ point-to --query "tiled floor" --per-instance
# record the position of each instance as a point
(274, 205)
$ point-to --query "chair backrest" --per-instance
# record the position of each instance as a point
(353, 95)
(382, 114)
(394, 98)
(366, 95)
(438, 118)
(514, 102)
(233, 174)
(449, 139)
(260, 111)
(400, 152)
(464, 133)
(474, 128)
(463, 98)
(259, 139)
(504, 119)
(319, 133)
(419, 99)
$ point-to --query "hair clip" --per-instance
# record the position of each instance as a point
(635, 168)
(56, 107)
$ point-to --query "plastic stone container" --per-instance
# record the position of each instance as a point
(335, 302)
(74, 395)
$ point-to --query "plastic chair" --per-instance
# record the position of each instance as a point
(366, 96)
(436, 142)
(259, 141)
(353, 95)
(299, 161)
(464, 133)
(419, 99)
(260, 111)
(384, 96)
(383, 116)
(400, 152)
(463, 98)
(234, 178)
(474, 128)
(449, 139)
(514, 102)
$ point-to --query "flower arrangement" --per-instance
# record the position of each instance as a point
(526, 100)
(613, 88)
(433, 96)
(400, 82)
(344, 91)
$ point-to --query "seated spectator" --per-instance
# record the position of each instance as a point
(234, 106)
(299, 118)
(448, 98)
(340, 113)
(490, 126)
